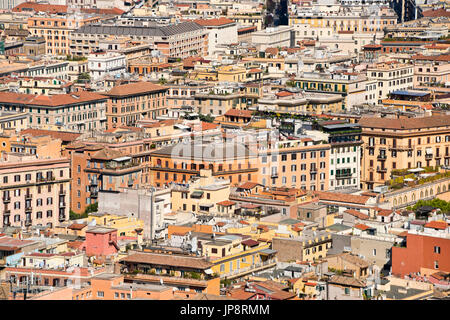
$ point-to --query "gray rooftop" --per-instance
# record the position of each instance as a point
(151, 31)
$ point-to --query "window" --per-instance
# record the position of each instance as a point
(347, 290)
(100, 294)
(436, 265)
(374, 252)
(437, 249)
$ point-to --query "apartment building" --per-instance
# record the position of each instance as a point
(129, 103)
(345, 154)
(273, 37)
(220, 31)
(359, 19)
(391, 76)
(178, 41)
(180, 162)
(78, 111)
(221, 99)
(424, 253)
(201, 194)
(56, 28)
(180, 95)
(234, 256)
(433, 69)
(402, 143)
(97, 168)
(102, 63)
(34, 191)
(350, 85)
(300, 103)
(299, 163)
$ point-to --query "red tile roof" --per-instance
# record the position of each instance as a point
(226, 203)
(248, 185)
(405, 123)
(341, 197)
(77, 226)
(63, 135)
(53, 101)
(384, 212)
(250, 243)
(362, 227)
(214, 22)
(441, 225)
(239, 113)
(135, 88)
(357, 214)
(284, 94)
(433, 13)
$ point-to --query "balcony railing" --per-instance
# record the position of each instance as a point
(428, 156)
(62, 204)
(27, 209)
(252, 268)
(28, 222)
(382, 157)
(380, 169)
(7, 212)
(344, 175)
(6, 199)
(62, 217)
(28, 196)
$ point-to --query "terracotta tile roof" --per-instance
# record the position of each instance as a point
(384, 212)
(38, 7)
(214, 22)
(433, 13)
(63, 135)
(272, 51)
(250, 243)
(53, 101)
(405, 123)
(107, 154)
(221, 224)
(442, 225)
(53, 8)
(77, 226)
(75, 244)
(239, 113)
(248, 185)
(441, 57)
(244, 222)
(347, 281)
(241, 294)
(357, 214)
(341, 197)
(226, 203)
(135, 88)
(362, 227)
(284, 94)
(167, 260)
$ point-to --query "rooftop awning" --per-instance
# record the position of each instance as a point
(197, 194)
(267, 252)
(122, 159)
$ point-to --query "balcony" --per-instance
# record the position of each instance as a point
(62, 217)
(93, 183)
(344, 175)
(28, 222)
(438, 156)
(381, 169)
(62, 204)
(428, 156)
(7, 212)
(28, 196)
(6, 199)
(62, 192)
(274, 175)
(382, 157)
(28, 209)
(313, 170)
(253, 268)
